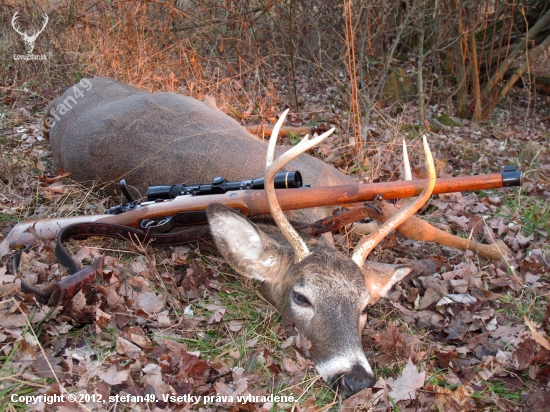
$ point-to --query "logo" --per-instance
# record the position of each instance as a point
(29, 40)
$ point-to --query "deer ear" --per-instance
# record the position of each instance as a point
(244, 246)
(380, 277)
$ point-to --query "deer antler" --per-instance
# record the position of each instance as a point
(407, 175)
(46, 19)
(369, 242)
(271, 169)
(13, 20)
(25, 35)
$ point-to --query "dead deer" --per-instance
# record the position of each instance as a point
(111, 130)
(321, 293)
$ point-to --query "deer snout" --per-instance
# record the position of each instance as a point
(354, 381)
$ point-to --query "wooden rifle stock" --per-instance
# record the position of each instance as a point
(253, 202)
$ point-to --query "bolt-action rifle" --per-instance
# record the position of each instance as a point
(180, 205)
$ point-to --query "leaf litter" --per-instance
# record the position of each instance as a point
(462, 334)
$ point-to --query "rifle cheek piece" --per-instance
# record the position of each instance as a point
(511, 176)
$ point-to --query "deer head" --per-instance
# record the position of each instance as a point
(320, 292)
(29, 40)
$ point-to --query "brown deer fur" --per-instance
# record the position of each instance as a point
(118, 131)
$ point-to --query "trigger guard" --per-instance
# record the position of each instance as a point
(158, 225)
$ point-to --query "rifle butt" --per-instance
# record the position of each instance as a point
(30, 231)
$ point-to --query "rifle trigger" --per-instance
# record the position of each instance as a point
(152, 226)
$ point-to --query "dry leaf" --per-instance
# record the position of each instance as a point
(405, 386)
(291, 367)
(113, 377)
(48, 368)
(235, 325)
(216, 316)
(125, 347)
(545, 343)
(150, 302)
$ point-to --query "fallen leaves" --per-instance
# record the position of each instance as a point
(449, 401)
(406, 384)
(150, 302)
(179, 323)
(293, 367)
(127, 348)
(396, 345)
(537, 336)
(112, 376)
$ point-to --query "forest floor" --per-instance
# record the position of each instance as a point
(463, 333)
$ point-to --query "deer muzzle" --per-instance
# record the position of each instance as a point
(354, 381)
(339, 358)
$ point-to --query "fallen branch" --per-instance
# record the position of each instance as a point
(264, 130)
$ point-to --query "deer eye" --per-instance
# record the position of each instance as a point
(300, 299)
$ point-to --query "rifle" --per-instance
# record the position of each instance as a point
(186, 210)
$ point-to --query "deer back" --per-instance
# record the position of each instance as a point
(117, 131)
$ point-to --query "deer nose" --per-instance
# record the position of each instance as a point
(354, 381)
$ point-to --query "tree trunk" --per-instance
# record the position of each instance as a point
(517, 74)
(475, 73)
(459, 64)
(490, 94)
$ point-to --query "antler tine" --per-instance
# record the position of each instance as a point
(406, 164)
(46, 20)
(369, 242)
(407, 173)
(271, 169)
(13, 20)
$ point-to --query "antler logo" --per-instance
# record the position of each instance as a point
(29, 40)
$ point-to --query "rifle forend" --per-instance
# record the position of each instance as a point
(253, 203)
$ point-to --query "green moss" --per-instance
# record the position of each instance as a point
(447, 120)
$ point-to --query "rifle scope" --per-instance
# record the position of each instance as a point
(283, 180)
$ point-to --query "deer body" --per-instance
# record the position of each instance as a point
(118, 131)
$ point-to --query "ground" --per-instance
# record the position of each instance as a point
(462, 334)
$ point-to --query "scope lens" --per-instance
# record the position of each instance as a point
(288, 180)
(296, 179)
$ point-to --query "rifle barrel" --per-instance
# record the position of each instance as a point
(303, 198)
